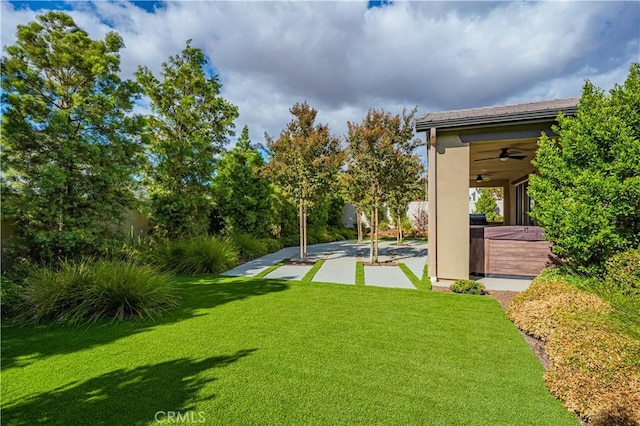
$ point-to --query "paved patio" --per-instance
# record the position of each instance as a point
(340, 265)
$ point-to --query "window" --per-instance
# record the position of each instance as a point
(523, 204)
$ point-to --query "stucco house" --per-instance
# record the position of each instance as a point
(465, 148)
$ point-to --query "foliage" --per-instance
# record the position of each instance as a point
(587, 193)
(468, 287)
(623, 272)
(10, 296)
(375, 147)
(248, 246)
(69, 143)
(304, 161)
(421, 220)
(86, 290)
(243, 198)
(188, 129)
(272, 244)
(406, 184)
(594, 367)
(487, 205)
(200, 255)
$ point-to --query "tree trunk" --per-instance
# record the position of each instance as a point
(304, 225)
(359, 224)
(375, 235)
(400, 236)
(371, 224)
(300, 222)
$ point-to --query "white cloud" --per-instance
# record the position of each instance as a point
(345, 59)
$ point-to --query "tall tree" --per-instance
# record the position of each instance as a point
(374, 147)
(487, 204)
(189, 127)
(70, 145)
(304, 161)
(406, 185)
(243, 198)
(354, 188)
(587, 192)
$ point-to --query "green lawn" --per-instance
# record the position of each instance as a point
(246, 351)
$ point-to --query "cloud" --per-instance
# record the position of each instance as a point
(345, 58)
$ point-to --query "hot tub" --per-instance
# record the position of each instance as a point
(518, 251)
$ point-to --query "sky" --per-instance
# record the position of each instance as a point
(346, 57)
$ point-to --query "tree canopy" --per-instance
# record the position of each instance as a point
(243, 197)
(304, 161)
(587, 192)
(375, 148)
(188, 130)
(70, 145)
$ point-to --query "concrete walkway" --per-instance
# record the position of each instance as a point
(340, 265)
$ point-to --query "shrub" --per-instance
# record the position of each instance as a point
(291, 240)
(85, 291)
(248, 246)
(594, 367)
(346, 233)
(10, 296)
(586, 190)
(468, 287)
(623, 272)
(202, 255)
(272, 244)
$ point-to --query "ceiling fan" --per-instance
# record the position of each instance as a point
(505, 155)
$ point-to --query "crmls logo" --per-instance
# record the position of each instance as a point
(175, 417)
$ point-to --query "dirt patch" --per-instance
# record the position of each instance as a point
(387, 263)
(505, 298)
(300, 263)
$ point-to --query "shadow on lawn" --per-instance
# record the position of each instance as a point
(125, 397)
(24, 345)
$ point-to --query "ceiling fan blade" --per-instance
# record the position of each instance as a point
(517, 157)
(484, 159)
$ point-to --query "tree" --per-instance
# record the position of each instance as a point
(406, 184)
(587, 191)
(304, 161)
(487, 204)
(188, 129)
(374, 147)
(243, 197)
(354, 187)
(70, 145)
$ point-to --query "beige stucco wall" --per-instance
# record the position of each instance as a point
(452, 208)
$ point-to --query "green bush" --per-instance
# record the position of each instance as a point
(468, 287)
(248, 246)
(202, 255)
(587, 187)
(10, 296)
(291, 240)
(272, 244)
(346, 233)
(623, 272)
(86, 291)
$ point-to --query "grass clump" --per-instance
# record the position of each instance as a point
(594, 366)
(312, 272)
(468, 287)
(202, 255)
(248, 246)
(85, 291)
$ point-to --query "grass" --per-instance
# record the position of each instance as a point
(271, 269)
(359, 274)
(426, 280)
(247, 351)
(417, 282)
(312, 272)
